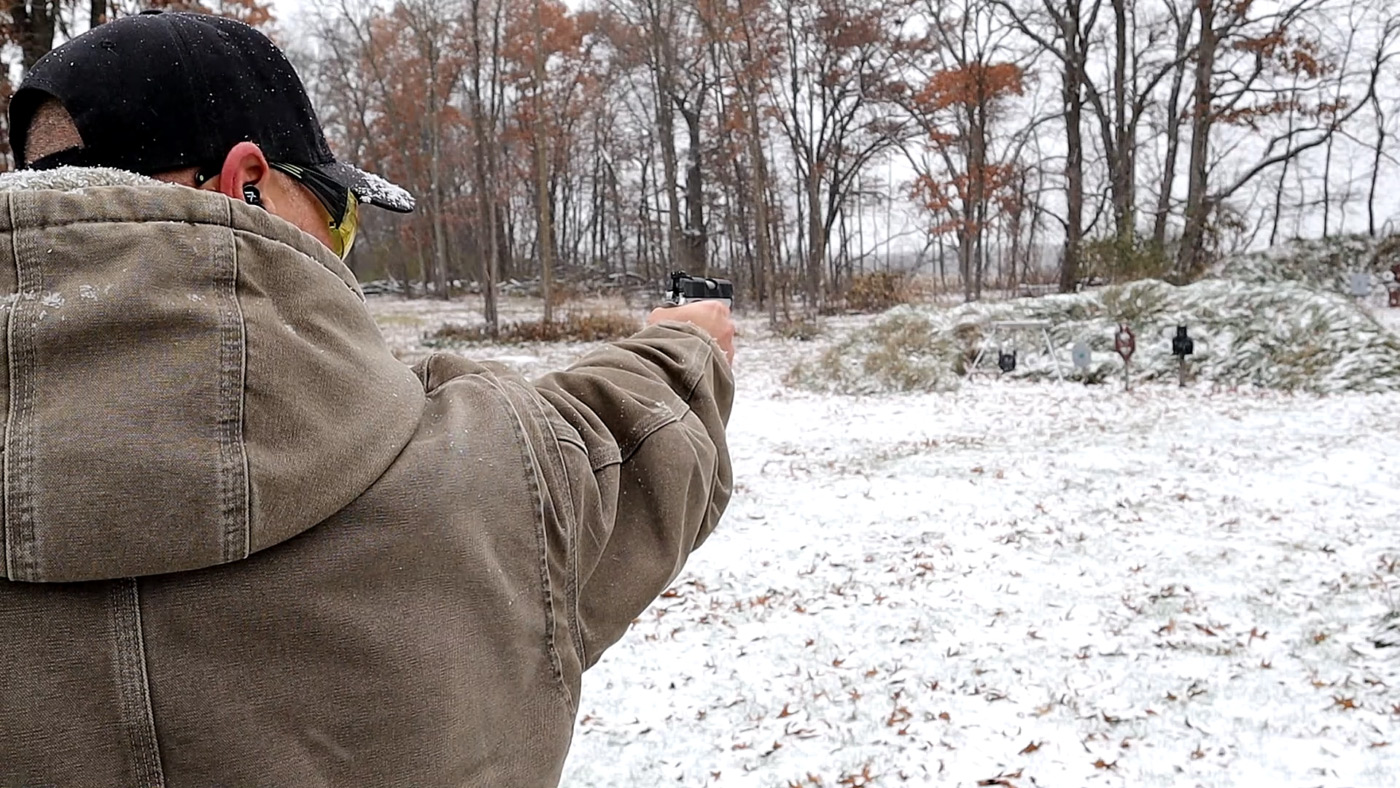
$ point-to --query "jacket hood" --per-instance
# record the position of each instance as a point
(188, 379)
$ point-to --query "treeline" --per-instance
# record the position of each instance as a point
(1030, 140)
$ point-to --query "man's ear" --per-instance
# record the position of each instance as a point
(244, 166)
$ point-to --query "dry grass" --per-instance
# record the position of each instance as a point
(878, 291)
(802, 328)
(575, 327)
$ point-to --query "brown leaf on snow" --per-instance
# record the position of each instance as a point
(1030, 748)
(857, 780)
(900, 714)
(785, 712)
(1346, 703)
(1102, 764)
(1004, 779)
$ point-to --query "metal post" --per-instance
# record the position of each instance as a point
(1050, 348)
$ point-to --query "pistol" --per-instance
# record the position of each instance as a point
(686, 289)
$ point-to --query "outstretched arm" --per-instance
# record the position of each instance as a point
(649, 414)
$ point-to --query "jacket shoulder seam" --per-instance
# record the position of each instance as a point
(532, 477)
(570, 530)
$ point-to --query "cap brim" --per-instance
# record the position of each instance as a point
(370, 188)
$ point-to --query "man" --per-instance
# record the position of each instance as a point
(242, 544)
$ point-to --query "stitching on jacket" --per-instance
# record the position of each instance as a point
(570, 532)
(133, 684)
(532, 476)
(233, 478)
(19, 438)
(10, 415)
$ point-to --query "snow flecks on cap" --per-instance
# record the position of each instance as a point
(376, 190)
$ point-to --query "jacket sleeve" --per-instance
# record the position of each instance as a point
(649, 475)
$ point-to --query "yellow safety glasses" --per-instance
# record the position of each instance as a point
(343, 232)
(338, 200)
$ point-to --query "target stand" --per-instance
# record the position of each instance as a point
(1008, 328)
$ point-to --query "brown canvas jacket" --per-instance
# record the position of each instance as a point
(243, 545)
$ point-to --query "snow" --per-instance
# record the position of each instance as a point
(1017, 583)
(73, 179)
(374, 189)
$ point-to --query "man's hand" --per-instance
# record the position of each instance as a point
(711, 316)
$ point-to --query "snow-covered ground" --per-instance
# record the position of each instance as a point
(1019, 584)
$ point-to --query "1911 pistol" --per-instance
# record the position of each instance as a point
(687, 289)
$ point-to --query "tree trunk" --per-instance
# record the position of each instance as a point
(816, 238)
(759, 197)
(697, 242)
(34, 26)
(544, 228)
(1191, 258)
(435, 188)
(663, 84)
(1073, 94)
(1124, 181)
(971, 244)
(486, 199)
(1282, 179)
(97, 13)
(1375, 166)
(1173, 129)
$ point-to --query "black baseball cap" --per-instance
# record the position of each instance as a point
(165, 90)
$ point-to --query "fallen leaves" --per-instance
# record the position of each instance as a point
(1102, 764)
(901, 714)
(1004, 780)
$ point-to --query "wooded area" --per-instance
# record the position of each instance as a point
(1034, 140)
